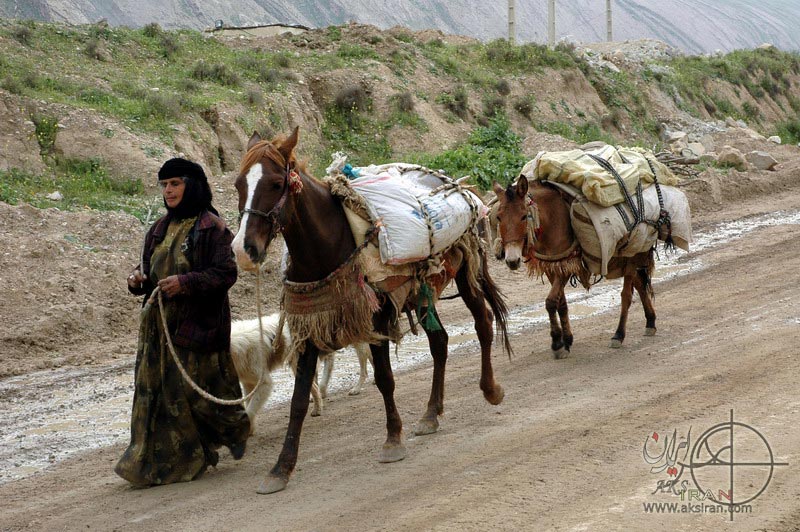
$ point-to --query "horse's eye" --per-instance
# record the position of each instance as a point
(498, 218)
(276, 186)
(524, 216)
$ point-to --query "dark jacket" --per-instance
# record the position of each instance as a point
(206, 314)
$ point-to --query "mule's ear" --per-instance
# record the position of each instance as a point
(255, 139)
(287, 146)
(522, 186)
(498, 189)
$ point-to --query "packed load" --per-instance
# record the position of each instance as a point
(420, 213)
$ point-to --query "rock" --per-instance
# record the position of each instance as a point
(708, 143)
(55, 196)
(775, 138)
(762, 160)
(708, 158)
(732, 157)
(676, 136)
(697, 148)
(730, 122)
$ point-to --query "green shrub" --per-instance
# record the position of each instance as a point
(456, 101)
(403, 102)
(525, 105)
(22, 34)
(217, 72)
(351, 99)
(502, 87)
(46, 129)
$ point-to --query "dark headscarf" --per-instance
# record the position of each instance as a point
(196, 196)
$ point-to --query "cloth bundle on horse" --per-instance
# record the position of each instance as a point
(578, 214)
(337, 291)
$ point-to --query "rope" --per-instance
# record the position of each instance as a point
(186, 377)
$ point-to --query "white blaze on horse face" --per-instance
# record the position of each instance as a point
(242, 258)
(513, 254)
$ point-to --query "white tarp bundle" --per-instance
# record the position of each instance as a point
(601, 231)
(414, 225)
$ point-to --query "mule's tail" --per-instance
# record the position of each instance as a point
(497, 302)
(646, 273)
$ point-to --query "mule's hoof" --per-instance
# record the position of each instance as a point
(495, 395)
(616, 343)
(426, 426)
(392, 453)
(650, 331)
(561, 354)
(355, 391)
(272, 485)
(316, 412)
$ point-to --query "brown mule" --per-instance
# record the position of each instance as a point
(533, 221)
(277, 195)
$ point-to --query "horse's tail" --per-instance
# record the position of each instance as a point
(496, 300)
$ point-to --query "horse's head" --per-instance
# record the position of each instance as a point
(266, 179)
(512, 216)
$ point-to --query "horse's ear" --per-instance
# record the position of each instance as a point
(498, 189)
(522, 186)
(255, 139)
(287, 146)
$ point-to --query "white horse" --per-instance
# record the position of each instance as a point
(250, 362)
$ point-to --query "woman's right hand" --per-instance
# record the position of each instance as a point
(136, 279)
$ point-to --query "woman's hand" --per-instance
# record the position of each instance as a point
(170, 286)
(136, 279)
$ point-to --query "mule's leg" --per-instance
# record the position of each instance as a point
(279, 475)
(327, 370)
(429, 423)
(476, 303)
(552, 304)
(627, 297)
(364, 355)
(642, 285)
(566, 328)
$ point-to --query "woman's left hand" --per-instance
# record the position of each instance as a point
(170, 286)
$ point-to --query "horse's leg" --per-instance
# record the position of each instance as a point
(279, 475)
(476, 303)
(258, 399)
(627, 297)
(393, 449)
(429, 423)
(552, 304)
(642, 285)
(316, 397)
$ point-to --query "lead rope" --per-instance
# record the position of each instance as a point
(187, 378)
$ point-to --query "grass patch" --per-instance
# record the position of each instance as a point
(84, 184)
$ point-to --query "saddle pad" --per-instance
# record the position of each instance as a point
(415, 224)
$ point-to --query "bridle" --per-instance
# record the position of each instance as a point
(292, 183)
(533, 234)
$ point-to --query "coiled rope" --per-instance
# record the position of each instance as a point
(157, 295)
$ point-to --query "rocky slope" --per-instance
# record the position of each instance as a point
(695, 27)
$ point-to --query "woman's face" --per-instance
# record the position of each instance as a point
(172, 189)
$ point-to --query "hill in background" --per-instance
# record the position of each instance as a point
(695, 27)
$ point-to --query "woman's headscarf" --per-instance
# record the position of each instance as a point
(196, 196)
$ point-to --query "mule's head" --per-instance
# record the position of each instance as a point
(511, 212)
(266, 179)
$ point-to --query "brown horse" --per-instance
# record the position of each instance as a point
(534, 227)
(277, 195)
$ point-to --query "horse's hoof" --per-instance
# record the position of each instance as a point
(616, 343)
(316, 412)
(272, 485)
(561, 354)
(650, 331)
(355, 391)
(392, 452)
(495, 395)
(426, 426)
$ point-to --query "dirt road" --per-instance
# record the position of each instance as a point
(578, 444)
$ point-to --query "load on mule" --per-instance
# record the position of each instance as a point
(328, 302)
(550, 223)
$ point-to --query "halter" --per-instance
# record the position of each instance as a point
(292, 183)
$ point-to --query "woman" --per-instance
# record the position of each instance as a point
(187, 254)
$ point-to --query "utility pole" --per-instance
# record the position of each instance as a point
(609, 34)
(551, 23)
(512, 18)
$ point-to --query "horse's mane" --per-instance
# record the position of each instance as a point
(269, 149)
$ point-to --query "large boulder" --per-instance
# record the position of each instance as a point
(762, 160)
(732, 157)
